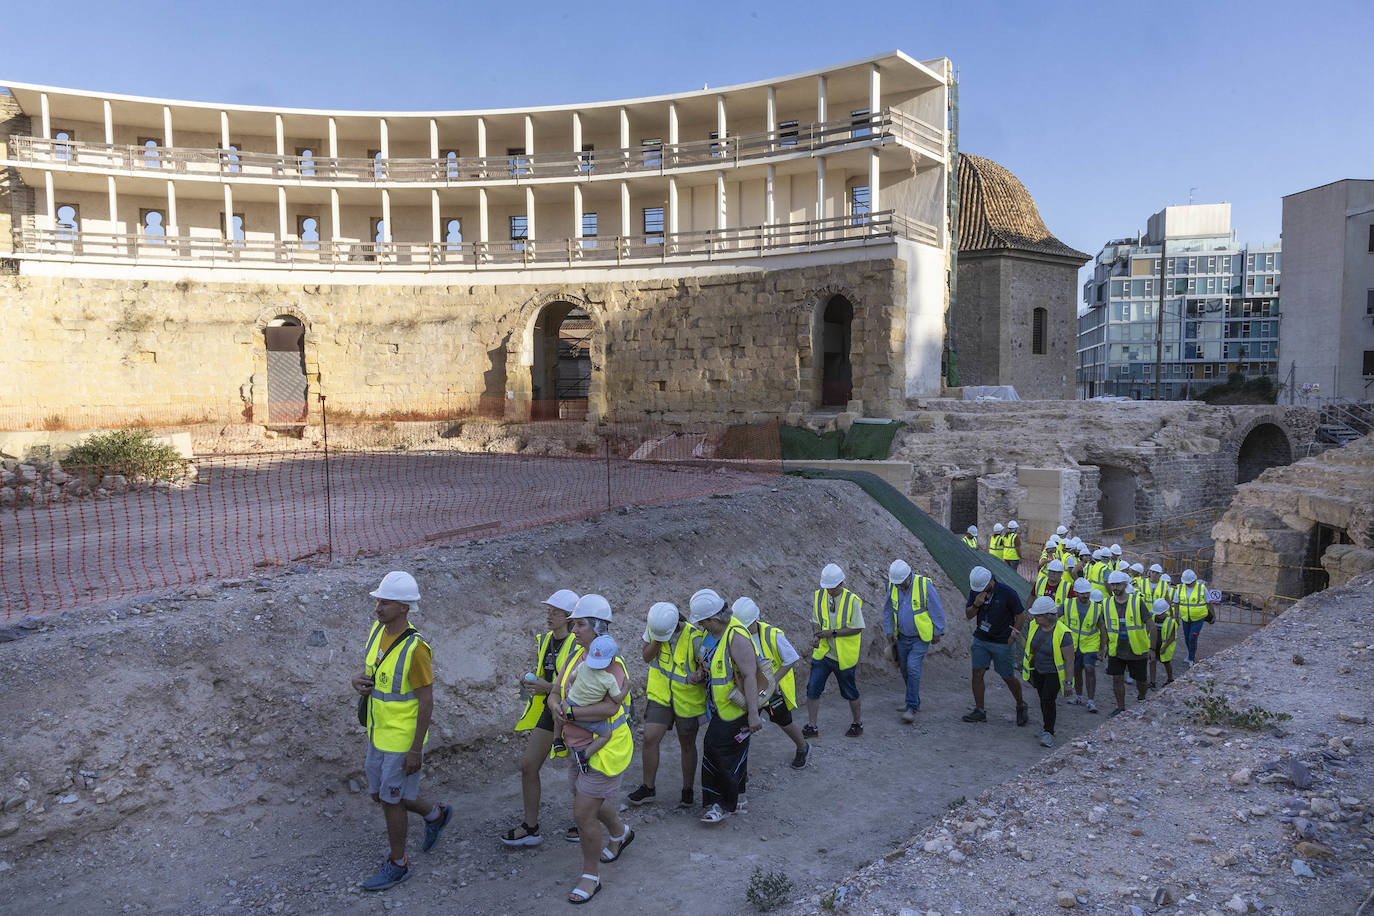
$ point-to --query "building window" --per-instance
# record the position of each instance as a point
(67, 223)
(1039, 318)
(1368, 363)
(860, 204)
(860, 123)
(229, 159)
(453, 234)
(588, 155)
(1369, 302)
(717, 148)
(308, 231)
(588, 230)
(519, 232)
(233, 233)
(787, 133)
(451, 164)
(653, 225)
(62, 140)
(518, 162)
(652, 151)
(153, 228)
(150, 154)
(1371, 237)
(305, 161)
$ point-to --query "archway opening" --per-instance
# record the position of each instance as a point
(837, 373)
(1266, 446)
(963, 503)
(287, 385)
(561, 374)
(1117, 502)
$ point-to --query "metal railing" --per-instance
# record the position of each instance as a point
(731, 242)
(886, 126)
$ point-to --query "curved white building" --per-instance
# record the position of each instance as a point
(375, 231)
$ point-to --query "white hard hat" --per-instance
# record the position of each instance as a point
(593, 606)
(1096, 595)
(1161, 606)
(1082, 586)
(979, 577)
(1155, 567)
(1189, 577)
(1061, 531)
(973, 530)
(1166, 579)
(1043, 605)
(1138, 568)
(1118, 578)
(745, 610)
(1012, 525)
(831, 576)
(663, 618)
(1069, 563)
(397, 586)
(1055, 566)
(1052, 541)
(1102, 553)
(997, 528)
(1123, 565)
(705, 603)
(899, 570)
(565, 599)
(601, 652)
(1116, 550)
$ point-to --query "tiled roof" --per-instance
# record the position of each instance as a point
(997, 212)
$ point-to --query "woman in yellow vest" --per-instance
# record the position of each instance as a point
(838, 618)
(1011, 544)
(1194, 609)
(595, 791)
(1165, 641)
(1046, 659)
(998, 541)
(671, 648)
(552, 649)
(777, 659)
(1130, 630)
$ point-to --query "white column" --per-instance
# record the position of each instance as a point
(282, 227)
(672, 206)
(482, 137)
(770, 117)
(333, 139)
(625, 209)
(109, 123)
(50, 199)
(228, 211)
(720, 123)
(875, 105)
(223, 130)
(577, 137)
(334, 229)
(820, 160)
(114, 203)
(483, 227)
(875, 95)
(820, 99)
(386, 214)
(45, 117)
(720, 199)
(529, 213)
(433, 140)
(171, 209)
(672, 137)
(577, 206)
(384, 138)
(769, 205)
(166, 125)
(625, 133)
(436, 227)
(281, 135)
(529, 136)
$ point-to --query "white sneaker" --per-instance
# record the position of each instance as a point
(1046, 739)
(1092, 707)
(741, 804)
(1075, 701)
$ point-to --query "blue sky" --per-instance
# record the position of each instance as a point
(1105, 111)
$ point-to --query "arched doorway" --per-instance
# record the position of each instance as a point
(1266, 446)
(837, 373)
(284, 337)
(1116, 504)
(561, 373)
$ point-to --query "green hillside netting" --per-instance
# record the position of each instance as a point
(951, 554)
(803, 445)
(864, 442)
(869, 441)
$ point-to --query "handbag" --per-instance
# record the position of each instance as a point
(362, 700)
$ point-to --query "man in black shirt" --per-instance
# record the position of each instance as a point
(998, 609)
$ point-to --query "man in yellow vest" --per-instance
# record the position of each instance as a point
(1130, 631)
(914, 621)
(997, 541)
(1082, 614)
(1165, 641)
(970, 537)
(1046, 660)
(1011, 544)
(671, 649)
(777, 659)
(1052, 582)
(1049, 552)
(732, 698)
(837, 617)
(1194, 610)
(398, 681)
(1153, 586)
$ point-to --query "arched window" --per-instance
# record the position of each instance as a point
(150, 158)
(310, 233)
(67, 224)
(62, 149)
(1039, 318)
(153, 229)
(453, 234)
(451, 164)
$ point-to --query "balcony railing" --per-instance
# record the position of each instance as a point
(729, 243)
(229, 164)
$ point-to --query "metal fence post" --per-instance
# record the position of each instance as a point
(328, 501)
(608, 473)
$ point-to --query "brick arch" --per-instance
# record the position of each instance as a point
(1265, 441)
(810, 318)
(520, 359)
(254, 392)
(268, 315)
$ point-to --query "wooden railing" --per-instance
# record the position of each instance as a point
(229, 164)
(732, 242)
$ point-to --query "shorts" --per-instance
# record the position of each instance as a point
(593, 783)
(1136, 667)
(545, 719)
(655, 713)
(1083, 660)
(821, 669)
(991, 654)
(776, 710)
(387, 779)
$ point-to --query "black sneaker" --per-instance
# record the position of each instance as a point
(799, 759)
(688, 799)
(976, 715)
(1022, 714)
(572, 834)
(810, 731)
(642, 795)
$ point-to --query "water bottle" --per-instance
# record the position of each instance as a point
(525, 682)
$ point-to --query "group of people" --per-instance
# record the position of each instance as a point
(717, 671)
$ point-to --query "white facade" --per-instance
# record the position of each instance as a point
(1326, 337)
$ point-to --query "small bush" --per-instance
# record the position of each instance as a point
(131, 453)
(1212, 708)
(768, 890)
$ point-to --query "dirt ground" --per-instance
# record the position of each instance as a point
(196, 753)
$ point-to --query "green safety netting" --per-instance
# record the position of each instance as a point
(950, 553)
(864, 441)
(869, 441)
(803, 445)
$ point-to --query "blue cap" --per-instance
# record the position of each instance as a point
(601, 652)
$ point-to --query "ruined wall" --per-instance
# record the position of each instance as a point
(690, 347)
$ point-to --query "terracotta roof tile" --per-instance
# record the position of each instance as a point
(997, 212)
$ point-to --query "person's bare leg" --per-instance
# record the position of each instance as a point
(1169, 671)
(653, 737)
(793, 731)
(585, 813)
(396, 830)
(856, 710)
(687, 741)
(536, 752)
(1078, 682)
(608, 814)
(978, 687)
(1119, 690)
(1153, 669)
(1090, 682)
(1015, 687)
(813, 708)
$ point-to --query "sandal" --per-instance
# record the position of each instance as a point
(529, 836)
(624, 840)
(714, 815)
(810, 731)
(578, 895)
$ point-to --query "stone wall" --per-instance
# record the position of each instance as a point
(725, 346)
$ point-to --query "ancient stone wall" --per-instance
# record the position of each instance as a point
(691, 347)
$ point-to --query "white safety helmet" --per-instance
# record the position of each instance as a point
(979, 577)
(1166, 579)
(565, 599)
(1012, 525)
(1160, 607)
(1118, 578)
(898, 572)
(1043, 605)
(1102, 553)
(1116, 550)
(663, 618)
(973, 530)
(831, 576)
(745, 610)
(1123, 565)
(997, 528)
(1061, 531)
(705, 603)
(1052, 541)
(1082, 586)
(1138, 568)
(1156, 568)
(593, 606)
(1069, 563)
(1189, 577)
(1055, 566)
(1096, 595)
(398, 586)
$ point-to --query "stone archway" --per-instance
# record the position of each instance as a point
(835, 348)
(284, 366)
(1265, 446)
(559, 359)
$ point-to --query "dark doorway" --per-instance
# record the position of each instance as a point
(1266, 446)
(1117, 504)
(963, 503)
(837, 373)
(561, 375)
(1315, 578)
(286, 381)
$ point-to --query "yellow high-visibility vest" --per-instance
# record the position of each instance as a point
(836, 615)
(1192, 601)
(723, 672)
(614, 758)
(920, 597)
(392, 708)
(688, 699)
(1028, 658)
(1136, 631)
(766, 642)
(1061, 591)
(1087, 635)
(970, 540)
(534, 708)
(1168, 638)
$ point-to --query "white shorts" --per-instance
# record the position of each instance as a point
(387, 779)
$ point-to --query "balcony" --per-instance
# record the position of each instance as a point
(66, 245)
(229, 165)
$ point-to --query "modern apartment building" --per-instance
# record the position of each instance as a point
(1220, 308)
(725, 251)
(1327, 337)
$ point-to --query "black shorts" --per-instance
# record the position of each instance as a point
(545, 719)
(777, 711)
(656, 713)
(1136, 667)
